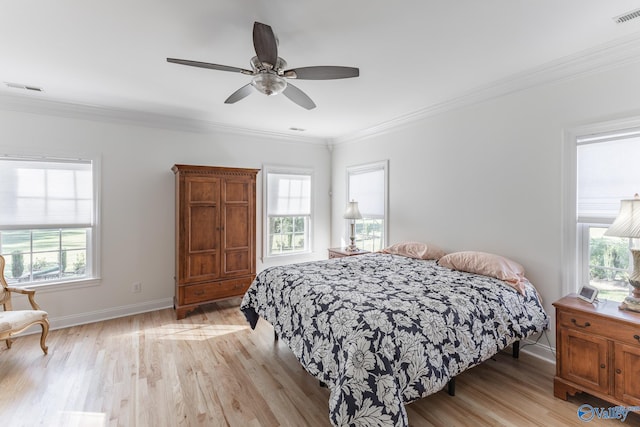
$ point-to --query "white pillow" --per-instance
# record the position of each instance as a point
(488, 265)
(415, 250)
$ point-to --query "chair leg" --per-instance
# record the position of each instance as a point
(8, 343)
(43, 337)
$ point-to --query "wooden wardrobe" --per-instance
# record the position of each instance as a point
(215, 234)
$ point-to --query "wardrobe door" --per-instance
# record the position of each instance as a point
(202, 229)
(238, 226)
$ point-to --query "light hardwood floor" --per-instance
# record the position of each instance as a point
(210, 369)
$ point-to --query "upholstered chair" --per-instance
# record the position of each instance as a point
(12, 322)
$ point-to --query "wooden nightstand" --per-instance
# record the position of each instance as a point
(342, 252)
(598, 351)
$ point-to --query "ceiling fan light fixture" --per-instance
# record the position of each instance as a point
(269, 83)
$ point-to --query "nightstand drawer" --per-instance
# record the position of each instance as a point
(334, 254)
(600, 326)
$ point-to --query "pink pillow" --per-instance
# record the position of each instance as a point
(488, 265)
(415, 250)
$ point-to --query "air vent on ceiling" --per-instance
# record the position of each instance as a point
(21, 86)
(627, 16)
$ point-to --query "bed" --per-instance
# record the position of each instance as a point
(383, 330)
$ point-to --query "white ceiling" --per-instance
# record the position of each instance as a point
(413, 55)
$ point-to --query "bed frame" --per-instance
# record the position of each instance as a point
(451, 385)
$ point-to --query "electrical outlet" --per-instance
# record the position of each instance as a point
(136, 287)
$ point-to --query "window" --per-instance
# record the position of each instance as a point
(47, 220)
(288, 206)
(367, 185)
(607, 172)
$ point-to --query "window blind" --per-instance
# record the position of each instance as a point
(607, 173)
(45, 193)
(288, 194)
(367, 188)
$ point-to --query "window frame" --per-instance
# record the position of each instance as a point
(286, 170)
(360, 169)
(93, 230)
(575, 233)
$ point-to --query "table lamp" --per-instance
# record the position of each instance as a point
(627, 224)
(352, 213)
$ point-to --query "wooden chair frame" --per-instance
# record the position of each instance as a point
(5, 301)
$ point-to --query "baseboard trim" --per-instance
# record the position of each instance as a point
(109, 313)
(539, 350)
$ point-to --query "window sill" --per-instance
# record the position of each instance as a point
(290, 258)
(62, 286)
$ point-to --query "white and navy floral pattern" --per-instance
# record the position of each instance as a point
(384, 330)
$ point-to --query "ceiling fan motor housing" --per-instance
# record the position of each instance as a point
(258, 66)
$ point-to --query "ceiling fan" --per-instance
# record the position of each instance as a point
(269, 71)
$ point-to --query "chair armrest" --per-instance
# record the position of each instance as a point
(21, 291)
(30, 294)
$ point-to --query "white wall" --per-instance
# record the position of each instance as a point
(489, 176)
(484, 177)
(137, 243)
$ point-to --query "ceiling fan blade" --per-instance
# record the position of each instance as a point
(322, 73)
(209, 65)
(241, 93)
(265, 44)
(299, 97)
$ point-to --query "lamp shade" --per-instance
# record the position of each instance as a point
(352, 211)
(627, 224)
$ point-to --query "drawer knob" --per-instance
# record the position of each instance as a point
(636, 337)
(603, 366)
(586, 324)
(199, 293)
(618, 371)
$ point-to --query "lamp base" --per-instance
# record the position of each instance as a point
(352, 248)
(631, 304)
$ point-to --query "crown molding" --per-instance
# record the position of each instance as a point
(34, 105)
(607, 56)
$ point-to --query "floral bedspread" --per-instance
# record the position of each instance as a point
(384, 330)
